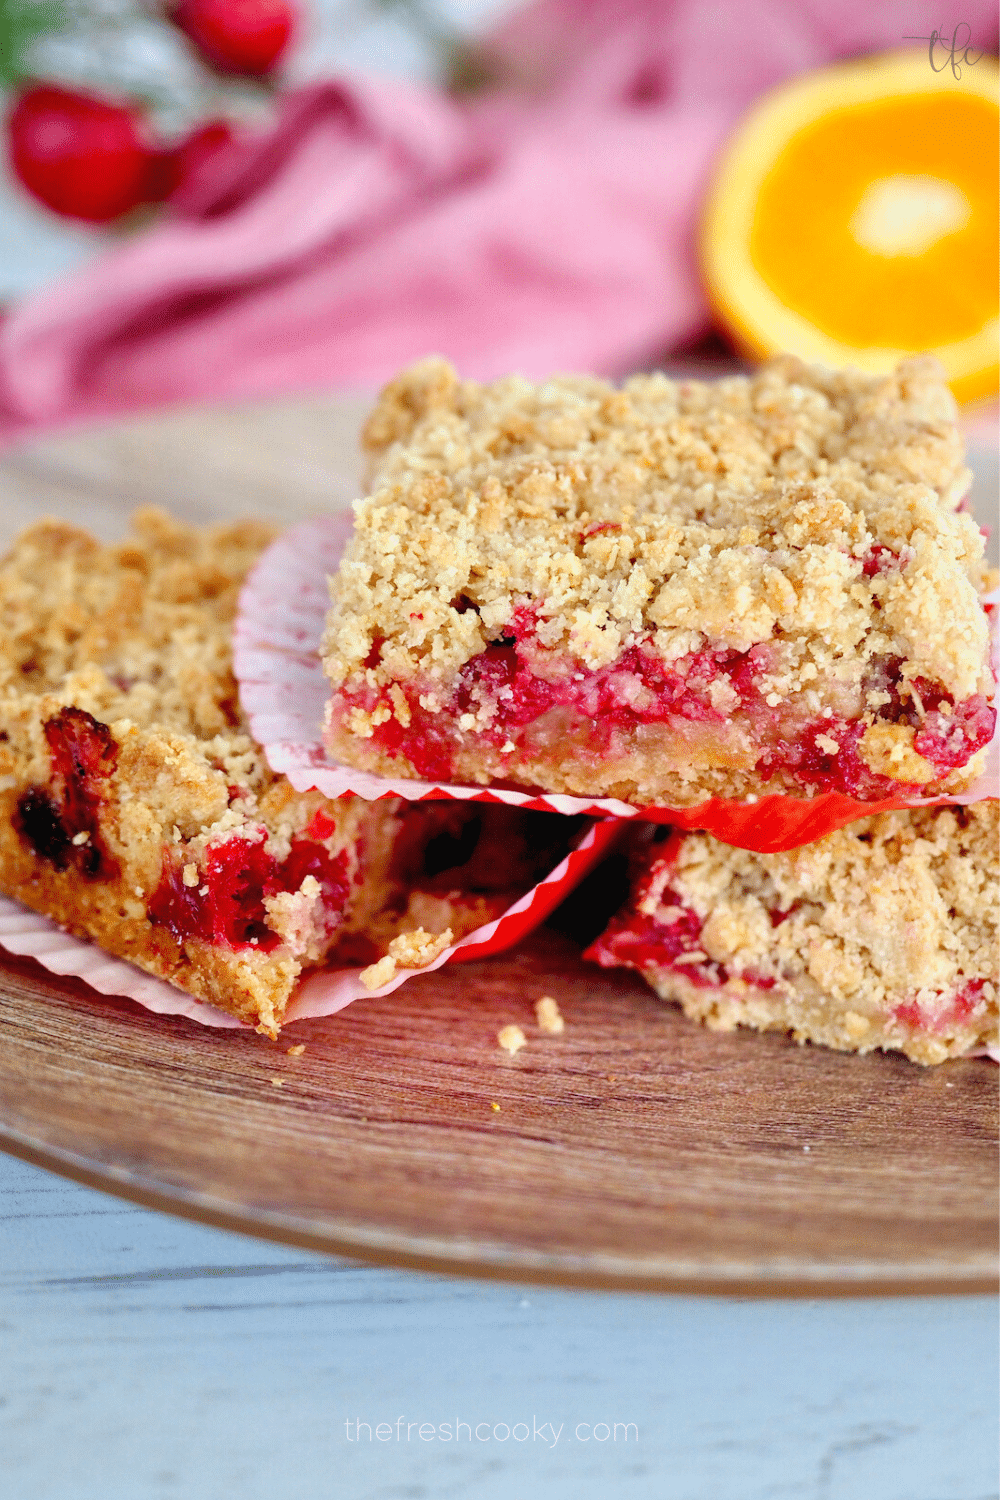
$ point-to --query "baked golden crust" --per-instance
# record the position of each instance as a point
(882, 934)
(806, 514)
(132, 796)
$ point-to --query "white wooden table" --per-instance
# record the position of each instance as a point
(145, 1357)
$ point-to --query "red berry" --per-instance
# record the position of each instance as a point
(237, 36)
(80, 155)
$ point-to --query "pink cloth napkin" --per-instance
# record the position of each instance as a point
(550, 225)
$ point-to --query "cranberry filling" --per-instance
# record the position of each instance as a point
(640, 688)
(947, 734)
(83, 754)
(948, 740)
(880, 559)
(959, 1008)
(635, 941)
(844, 771)
(227, 904)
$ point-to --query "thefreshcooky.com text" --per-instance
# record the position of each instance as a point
(549, 1433)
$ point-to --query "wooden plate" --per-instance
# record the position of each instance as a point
(636, 1150)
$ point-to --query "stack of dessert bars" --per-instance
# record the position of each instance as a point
(763, 592)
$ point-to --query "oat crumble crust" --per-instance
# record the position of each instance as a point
(138, 637)
(686, 514)
(863, 939)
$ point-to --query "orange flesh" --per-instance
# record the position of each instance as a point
(813, 263)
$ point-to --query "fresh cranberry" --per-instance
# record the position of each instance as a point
(237, 875)
(80, 155)
(759, 981)
(38, 821)
(84, 753)
(227, 902)
(307, 858)
(321, 826)
(246, 37)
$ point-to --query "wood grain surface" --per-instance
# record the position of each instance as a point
(635, 1150)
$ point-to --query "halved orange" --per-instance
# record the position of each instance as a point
(853, 219)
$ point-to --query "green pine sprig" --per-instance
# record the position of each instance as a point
(22, 22)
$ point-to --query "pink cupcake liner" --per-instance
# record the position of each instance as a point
(284, 692)
(324, 991)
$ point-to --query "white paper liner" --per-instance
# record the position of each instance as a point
(324, 991)
(28, 935)
(284, 692)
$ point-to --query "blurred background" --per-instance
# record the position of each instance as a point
(124, 51)
(216, 199)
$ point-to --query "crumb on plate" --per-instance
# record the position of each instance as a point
(511, 1039)
(550, 1019)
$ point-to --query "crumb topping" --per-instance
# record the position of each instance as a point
(810, 508)
(378, 974)
(412, 949)
(417, 948)
(138, 635)
(143, 626)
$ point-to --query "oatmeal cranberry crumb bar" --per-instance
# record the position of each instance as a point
(135, 809)
(883, 934)
(664, 592)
